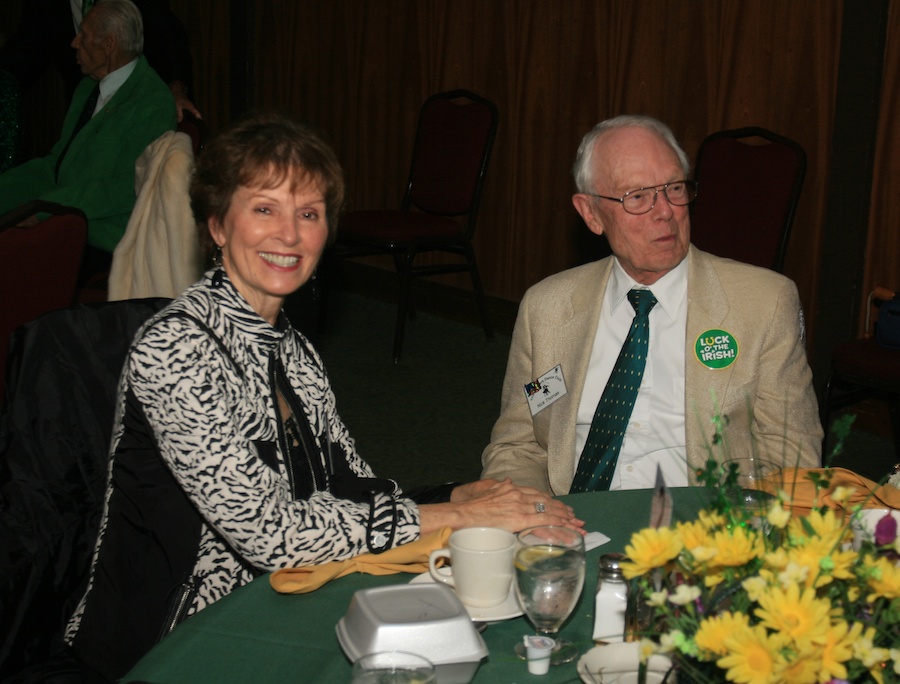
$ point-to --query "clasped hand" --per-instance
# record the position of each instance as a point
(492, 503)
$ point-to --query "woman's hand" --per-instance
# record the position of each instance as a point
(489, 503)
(472, 490)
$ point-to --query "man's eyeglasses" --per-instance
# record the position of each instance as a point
(642, 200)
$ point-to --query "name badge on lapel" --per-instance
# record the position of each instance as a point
(545, 390)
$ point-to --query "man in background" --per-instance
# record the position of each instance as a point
(660, 356)
(46, 29)
(119, 107)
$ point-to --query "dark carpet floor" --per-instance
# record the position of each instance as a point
(427, 419)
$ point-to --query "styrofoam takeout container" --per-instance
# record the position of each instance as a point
(426, 619)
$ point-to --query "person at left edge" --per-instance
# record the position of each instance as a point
(96, 172)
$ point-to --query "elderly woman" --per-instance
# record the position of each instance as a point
(229, 458)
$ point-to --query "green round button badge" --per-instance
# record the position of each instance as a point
(716, 349)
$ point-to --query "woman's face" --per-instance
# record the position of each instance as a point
(271, 240)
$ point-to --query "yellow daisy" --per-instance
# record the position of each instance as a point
(842, 563)
(884, 578)
(822, 560)
(826, 526)
(755, 657)
(711, 520)
(713, 631)
(777, 559)
(799, 616)
(713, 579)
(693, 534)
(837, 649)
(803, 667)
(649, 549)
(737, 547)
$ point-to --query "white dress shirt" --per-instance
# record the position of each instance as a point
(655, 432)
(111, 83)
(77, 14)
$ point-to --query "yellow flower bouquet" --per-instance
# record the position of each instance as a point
(756, 593)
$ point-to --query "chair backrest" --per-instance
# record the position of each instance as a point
(54, 441)
(195, 129)
(38, 271)
(749, 181)
(453, 145)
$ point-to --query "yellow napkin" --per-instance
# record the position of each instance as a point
(412, 557)
(867, 494)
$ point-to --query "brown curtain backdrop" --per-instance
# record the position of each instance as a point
(360, 70)
(883, 246)
(208, 27)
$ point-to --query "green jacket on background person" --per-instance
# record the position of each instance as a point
(97, 172)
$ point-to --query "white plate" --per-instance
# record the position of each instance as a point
(618, 664)
(510, 608)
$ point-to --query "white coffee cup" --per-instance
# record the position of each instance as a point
(482, 565)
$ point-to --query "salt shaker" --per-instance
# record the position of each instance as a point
(611, 600)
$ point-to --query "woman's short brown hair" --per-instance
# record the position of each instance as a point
(263, 149)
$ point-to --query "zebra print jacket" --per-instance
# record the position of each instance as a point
(207, 487)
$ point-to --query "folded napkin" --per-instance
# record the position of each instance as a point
(867, 493)
(412, 557)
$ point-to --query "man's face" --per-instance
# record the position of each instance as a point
(92, 51)
(647, 245)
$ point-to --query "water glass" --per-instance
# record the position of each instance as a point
(393, 667)
(549, 565)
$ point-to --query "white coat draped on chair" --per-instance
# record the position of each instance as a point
(159, 255)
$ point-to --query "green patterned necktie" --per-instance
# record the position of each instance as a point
(600, 454)
(86, 7)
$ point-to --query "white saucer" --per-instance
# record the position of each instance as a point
(617, 663)
(510, 608)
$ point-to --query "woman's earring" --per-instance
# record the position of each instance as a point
(217, 262)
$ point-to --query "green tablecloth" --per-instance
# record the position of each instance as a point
(257, 635)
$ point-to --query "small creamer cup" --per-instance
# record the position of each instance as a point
(482, 565)
(538, 650)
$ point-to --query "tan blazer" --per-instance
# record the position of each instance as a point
(765, 396)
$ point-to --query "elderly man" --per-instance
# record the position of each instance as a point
(118, 109)
(46, 27)
(658, 356)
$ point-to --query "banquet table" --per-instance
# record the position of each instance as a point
(256, 634)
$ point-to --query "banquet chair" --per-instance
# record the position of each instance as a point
(865, 369)
(439, 210)
(54, 442)
(195, 129)
(38, 266)
(749, 181)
